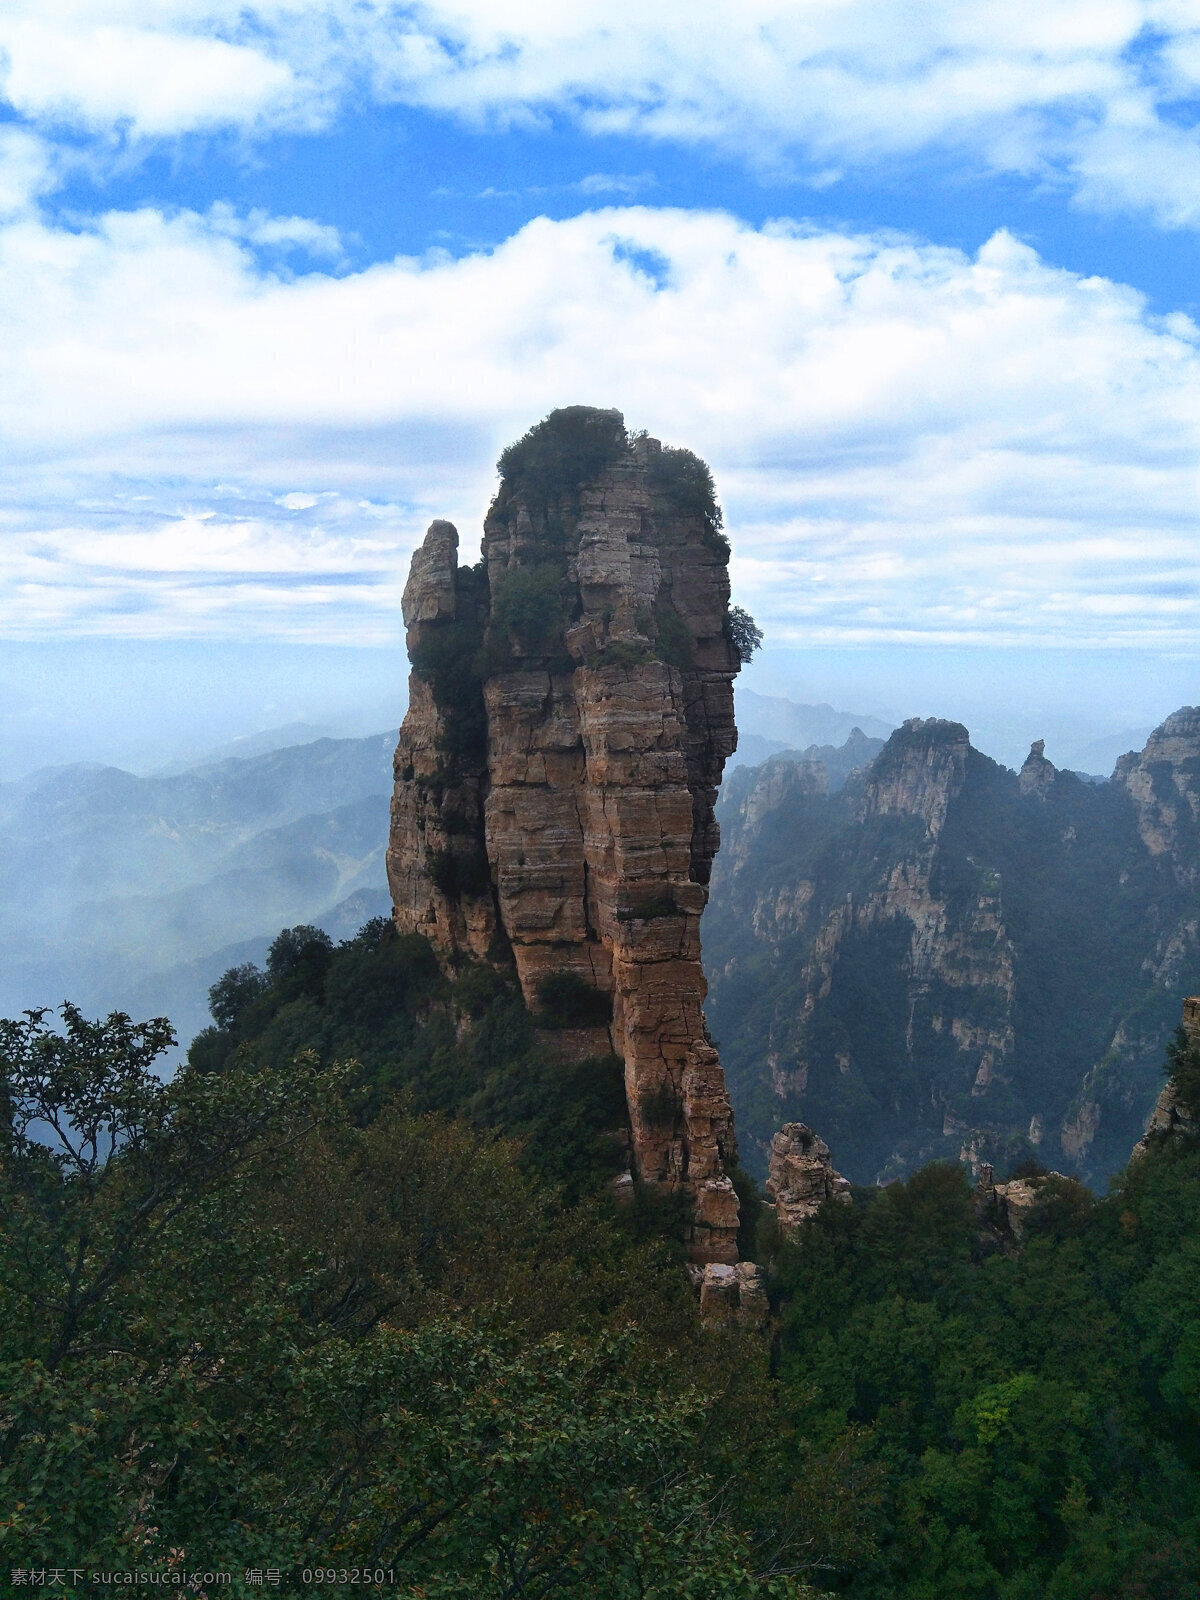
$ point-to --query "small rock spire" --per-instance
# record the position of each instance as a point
(1037, 776)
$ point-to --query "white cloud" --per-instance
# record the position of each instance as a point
(1099, 95)
(88, 65)
(910, 443)
(26, 171)
(278, 233)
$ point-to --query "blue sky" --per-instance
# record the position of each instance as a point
(278, 281)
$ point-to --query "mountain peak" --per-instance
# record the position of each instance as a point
(919, 771)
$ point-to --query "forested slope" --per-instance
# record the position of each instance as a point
(321, 1312)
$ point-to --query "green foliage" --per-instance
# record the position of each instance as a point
(296, 962)
(527, 616)
(661, 1106)
(233, 992)
(623, 653)
(1023, 1411)
(278, 1313)
(258, 1333)
(568, 1001)
(752, 1213)
(448, 658)
(128, 1152)
(688, 483)
(561, 453)
(674, 642)
(744, 634)
(468, 1048)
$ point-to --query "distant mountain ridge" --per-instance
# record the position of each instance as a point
(108, 879)
(946, 957)
(797, 726)
(129, 891)
(248, 745)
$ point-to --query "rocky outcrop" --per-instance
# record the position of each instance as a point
(918, 773)
(801, 1176)
(1006, 1208)
(1171, 1118)
(1163, 781)
(1037, 776)
(732, 1294)
(874, 884)
(571, 710)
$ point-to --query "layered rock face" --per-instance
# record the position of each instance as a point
(570, 715)
(1163, 781)
(801, 1176)
(950, 960)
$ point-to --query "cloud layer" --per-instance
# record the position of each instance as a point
(1099, 96)
(911, 444)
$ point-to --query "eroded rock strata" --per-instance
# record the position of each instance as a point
(570, 714)
(801, 1177)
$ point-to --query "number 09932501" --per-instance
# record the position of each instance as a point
(339, 1575)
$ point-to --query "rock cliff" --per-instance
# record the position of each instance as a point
(571, 711)
(1171, 1117)
(1163, 781)
(947, 959)
(801, 1176)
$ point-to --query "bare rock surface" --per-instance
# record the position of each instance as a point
(570, 714)
(730, 1294)
(801, 1176)
(1037, 776)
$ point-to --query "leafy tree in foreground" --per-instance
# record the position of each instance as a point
(239, 1329)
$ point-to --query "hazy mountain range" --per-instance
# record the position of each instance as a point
(136, 892)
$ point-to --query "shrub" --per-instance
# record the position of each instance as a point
(233, 992)
(298, 961)
(688, 483)
(674, 644)
(447, 659)
(623, 653)
(528, 612)
(567, 1001)
(565, 450)
(661, 1105)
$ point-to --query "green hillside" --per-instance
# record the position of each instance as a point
(352, 1293)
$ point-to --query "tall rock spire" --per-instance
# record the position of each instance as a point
(570, 715)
